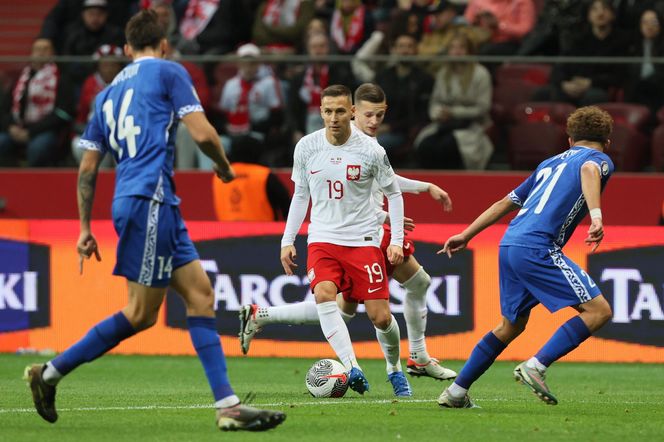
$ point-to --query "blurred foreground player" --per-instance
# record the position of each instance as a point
(135, 119)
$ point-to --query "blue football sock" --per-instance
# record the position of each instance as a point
(485, 352)
(100, 339)
(565, 339)
(204, 336)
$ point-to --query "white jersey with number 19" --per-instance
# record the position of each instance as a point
(340, 180)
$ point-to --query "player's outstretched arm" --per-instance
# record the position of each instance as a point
(591, 185)
(414, 186)
(207, 139)
(488, 217)
(87, 180)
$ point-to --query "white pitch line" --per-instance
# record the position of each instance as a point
(278, 404)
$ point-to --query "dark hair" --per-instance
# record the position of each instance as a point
(143, 30)
(369, 92)
(336, 90)
(590, 123)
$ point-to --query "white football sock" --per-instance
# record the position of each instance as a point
(294, 314)
(228, 401)
(346, 317)
(389, 340)
(536, 364)
(335, 331)
(415, 314)
(51, 375)
(457, 391)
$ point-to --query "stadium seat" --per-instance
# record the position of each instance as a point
(628, 149)
(506, 95)
(532, 142)
(634, 115)
(528, 73)
(660, 115)
(657, 148)
(553, 112)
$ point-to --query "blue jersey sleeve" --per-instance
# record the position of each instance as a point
(519, 195)
(181, 91)
(603, 163)
(94, 137)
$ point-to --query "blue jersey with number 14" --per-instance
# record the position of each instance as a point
(135, 119)
(551, 199)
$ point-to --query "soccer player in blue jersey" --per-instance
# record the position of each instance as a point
(533, 268)
(135, 120)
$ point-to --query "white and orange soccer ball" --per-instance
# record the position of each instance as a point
(327, 378)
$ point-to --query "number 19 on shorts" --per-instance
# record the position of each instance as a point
(375, 272)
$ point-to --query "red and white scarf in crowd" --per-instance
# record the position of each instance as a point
(311, 91)
(350, 34)
(238, 118)
(281, 12)
(39, 92)
(197, 16)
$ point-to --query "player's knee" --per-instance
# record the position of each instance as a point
(604, 313)
(143, 319)
(382, 320)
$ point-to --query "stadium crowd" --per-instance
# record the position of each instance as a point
(443, 114)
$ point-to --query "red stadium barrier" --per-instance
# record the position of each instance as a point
(630, 199)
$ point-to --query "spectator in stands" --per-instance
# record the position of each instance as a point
(306, 87)
(212, 27)
(442, 26)
(167, 20)
(41, 108)
(91, 32)
(252, 104)
(408, 88)
(554, 29)
(279, 25)
(67, 13)
(110, 62)
(351, 26)
(507, 21)
(645, 80)
(586, 84)
(256, 194)
(459, 108)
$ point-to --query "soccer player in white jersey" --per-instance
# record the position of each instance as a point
(370, 109)
(533, 269)
(146, 100)
(335, 168)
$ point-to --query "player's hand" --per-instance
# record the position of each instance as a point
(395, 254)
(86, 246)
(453, 245)
(288, 256)
(595, 234)
(408, 224)
(225, 173)
(441, 196)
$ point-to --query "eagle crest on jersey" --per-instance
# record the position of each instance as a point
(353, 172)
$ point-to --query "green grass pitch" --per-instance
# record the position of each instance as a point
(127, 398)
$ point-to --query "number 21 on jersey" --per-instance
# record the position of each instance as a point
(126, 129)
(541, 178)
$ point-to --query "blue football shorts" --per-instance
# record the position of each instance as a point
(532, 276)
(153, 241)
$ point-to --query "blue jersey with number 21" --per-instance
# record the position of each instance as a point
(551, 199)
(135, 120)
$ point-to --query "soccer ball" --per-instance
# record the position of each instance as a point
(327, 378)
